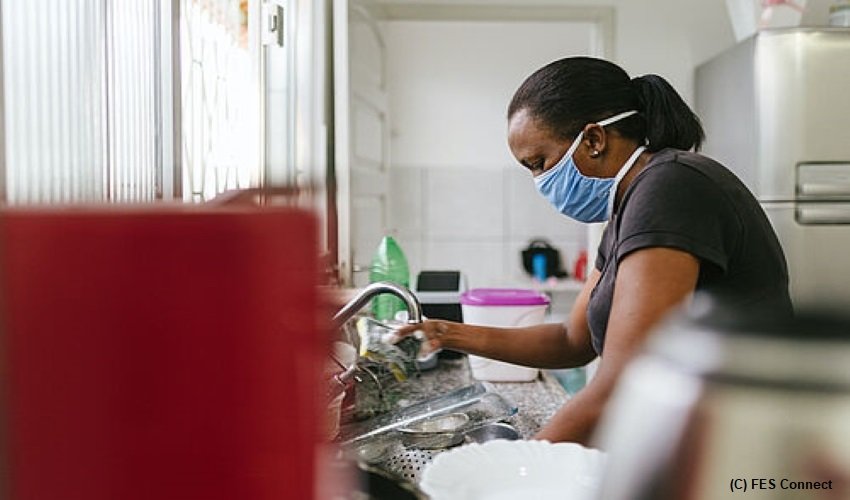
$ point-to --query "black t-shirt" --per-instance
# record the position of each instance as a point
(690, 202)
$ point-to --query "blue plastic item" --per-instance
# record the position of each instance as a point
(538, 265)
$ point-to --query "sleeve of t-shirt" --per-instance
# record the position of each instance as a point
(676, 206)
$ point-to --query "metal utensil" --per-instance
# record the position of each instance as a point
(442, 431)
(450, 422)
(490, 432)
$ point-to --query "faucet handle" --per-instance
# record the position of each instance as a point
(403, 317)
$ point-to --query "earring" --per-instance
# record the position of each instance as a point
(594, 153)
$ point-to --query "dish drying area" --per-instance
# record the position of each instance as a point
(449, 409)
(398, 413)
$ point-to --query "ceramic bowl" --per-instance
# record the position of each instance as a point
(502, 470)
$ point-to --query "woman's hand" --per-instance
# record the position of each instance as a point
(435, 333)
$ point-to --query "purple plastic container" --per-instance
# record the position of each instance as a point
(503, 297)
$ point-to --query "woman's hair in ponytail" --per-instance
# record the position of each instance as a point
(567, 94)
(670, 123)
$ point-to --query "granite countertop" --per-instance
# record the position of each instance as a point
(536, 401)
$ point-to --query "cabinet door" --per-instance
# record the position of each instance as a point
(361, 137)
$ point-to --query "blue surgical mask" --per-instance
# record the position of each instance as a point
(585, 199)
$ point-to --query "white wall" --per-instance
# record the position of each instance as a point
(667, 37)
(450, 83)
(458, 199)
(670, 37)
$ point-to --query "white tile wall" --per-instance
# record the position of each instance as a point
(476, 220)
(480, 261)
(450, 82)
(463, 204)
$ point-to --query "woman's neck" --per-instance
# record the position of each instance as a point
(636, 169)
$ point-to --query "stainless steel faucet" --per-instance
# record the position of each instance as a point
(414, 309)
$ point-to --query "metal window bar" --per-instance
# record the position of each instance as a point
(219, 108)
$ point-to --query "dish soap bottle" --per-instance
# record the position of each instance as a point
(388, 264)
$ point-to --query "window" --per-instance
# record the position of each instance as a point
(221, 124)
(88, 102)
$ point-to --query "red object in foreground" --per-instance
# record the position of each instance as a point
(164, 353)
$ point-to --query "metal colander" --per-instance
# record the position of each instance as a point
(409, 463)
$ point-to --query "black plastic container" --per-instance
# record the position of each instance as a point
(439, 293)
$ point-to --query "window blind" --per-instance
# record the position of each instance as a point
(79, 84)
(54, 82)
(84, 83)
(131, 104)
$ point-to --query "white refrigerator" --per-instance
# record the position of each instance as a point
(776, 111)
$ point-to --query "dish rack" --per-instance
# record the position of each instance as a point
(378, 370)
(380, 441)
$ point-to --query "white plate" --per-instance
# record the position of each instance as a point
(502, 470)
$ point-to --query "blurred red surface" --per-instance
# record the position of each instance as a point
(160, 353)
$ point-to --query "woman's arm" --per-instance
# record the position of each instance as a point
(650, 283)
(551, 345)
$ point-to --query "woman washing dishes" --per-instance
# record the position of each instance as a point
(601, 146)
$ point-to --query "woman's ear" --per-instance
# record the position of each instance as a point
(595, 139)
